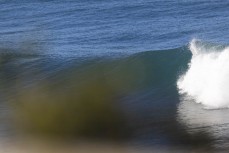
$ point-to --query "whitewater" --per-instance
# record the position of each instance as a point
(207, 77)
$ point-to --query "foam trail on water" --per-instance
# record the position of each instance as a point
(207, 78)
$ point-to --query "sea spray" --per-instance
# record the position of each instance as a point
(207, 78)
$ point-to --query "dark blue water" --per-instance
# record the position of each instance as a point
(141, 44)
(104, 27)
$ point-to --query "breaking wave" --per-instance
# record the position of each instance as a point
(207, 77)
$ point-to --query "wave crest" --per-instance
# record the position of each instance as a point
(207, 78)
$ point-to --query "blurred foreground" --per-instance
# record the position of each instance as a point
(123, 104)
(35, 146)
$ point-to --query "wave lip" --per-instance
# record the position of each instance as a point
(207, 78)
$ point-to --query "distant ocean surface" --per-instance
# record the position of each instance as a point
(177, 52)
(93, 27)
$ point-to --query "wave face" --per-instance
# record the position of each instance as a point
(207, 78)
(199, 71)
(156, 90)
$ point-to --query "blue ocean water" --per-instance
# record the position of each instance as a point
(104, 27)
(146, 45)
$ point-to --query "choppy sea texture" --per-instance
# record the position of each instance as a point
(96, 28)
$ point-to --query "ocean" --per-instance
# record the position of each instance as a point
(167, 60)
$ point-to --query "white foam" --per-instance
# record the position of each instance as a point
(207, 78)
